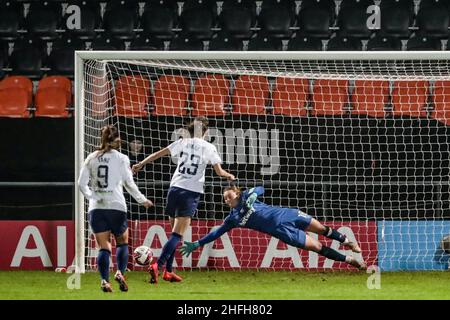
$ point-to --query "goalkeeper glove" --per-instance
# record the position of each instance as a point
(251, 200)
(188, 247)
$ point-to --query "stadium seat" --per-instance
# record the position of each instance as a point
(27, 58)
(90, 19)
(370, 97)
(316, 17)
(104, 42)
(353, 17)
(340, 43)
(264, 43)
(304, 43)
(251, 94)
(184, 43)
(171, 96)
(146, 43)
(396, 17)
(211, 95)
(16, 96)
(290, 96)
(132, 94)
(120, 21)
(433, 19)
(384, 43)
(159, 19)
(61, 59)
(441, 102)
(409, 98)
(53, 97)
(329, 97)
(423, 43)
(11, 17)
(237, 18)
(276, 18)
(225, 43)
(197, 19)
(43, 19)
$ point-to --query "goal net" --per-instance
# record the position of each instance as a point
(360, 141)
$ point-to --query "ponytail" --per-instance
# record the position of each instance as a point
(109, 139)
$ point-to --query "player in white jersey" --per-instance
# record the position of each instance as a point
(104, 174)
(193, 154)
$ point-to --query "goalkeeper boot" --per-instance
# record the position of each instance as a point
(361, 265)
(352, 246)
(106, 286)
(120, 278)
(154, 273)
(171, 276)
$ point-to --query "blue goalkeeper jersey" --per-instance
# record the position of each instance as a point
(264, 218)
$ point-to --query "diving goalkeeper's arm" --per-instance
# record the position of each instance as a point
(188, 247)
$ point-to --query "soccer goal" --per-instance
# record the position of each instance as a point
(359, 140)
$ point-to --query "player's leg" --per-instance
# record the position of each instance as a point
(122, 254)
(103, 257)
(179, 228)
(312, 244)
(169, 275)
(316, 227)
(102, 232)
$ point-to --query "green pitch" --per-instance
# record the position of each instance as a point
(232, 285)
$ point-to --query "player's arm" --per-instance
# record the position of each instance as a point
(154, 156)
(131, 186)
(83, 183)
(253, 194)
(188, 247)
(223, 173)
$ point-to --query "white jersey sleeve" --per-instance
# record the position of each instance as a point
(83, 181)
(213, 157)
(128, 181)
(175, 147)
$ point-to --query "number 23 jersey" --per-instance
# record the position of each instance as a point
(193, 155)
(108, 174)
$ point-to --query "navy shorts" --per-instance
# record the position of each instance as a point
(102, 220)
(292, 230)
(181, 202)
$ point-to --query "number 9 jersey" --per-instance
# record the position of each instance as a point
(107, 174)
(193, 155)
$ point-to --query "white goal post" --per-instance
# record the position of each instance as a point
(360, 140)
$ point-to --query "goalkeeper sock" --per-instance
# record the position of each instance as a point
(169, 262)
(122, 257)
(335, 235)
(103, 263)
(168, 249)
(331, 254)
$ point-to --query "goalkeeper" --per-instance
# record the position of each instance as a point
(286, 224)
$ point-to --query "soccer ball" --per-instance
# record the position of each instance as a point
(445, 244)
(143, 255)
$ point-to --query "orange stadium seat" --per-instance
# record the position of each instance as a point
(441, 101)
(16, 96)
(250, 95)
(211, 95)
(369, 97)
(290, 96)
(132, 96)
(329, 97)
(409, 98)
(171, 96)
(53, 97)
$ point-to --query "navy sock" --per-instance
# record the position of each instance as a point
(169, 262)
(122, 257)
(331, 254)
(333, 234)
(168, 249)
(103, 263)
